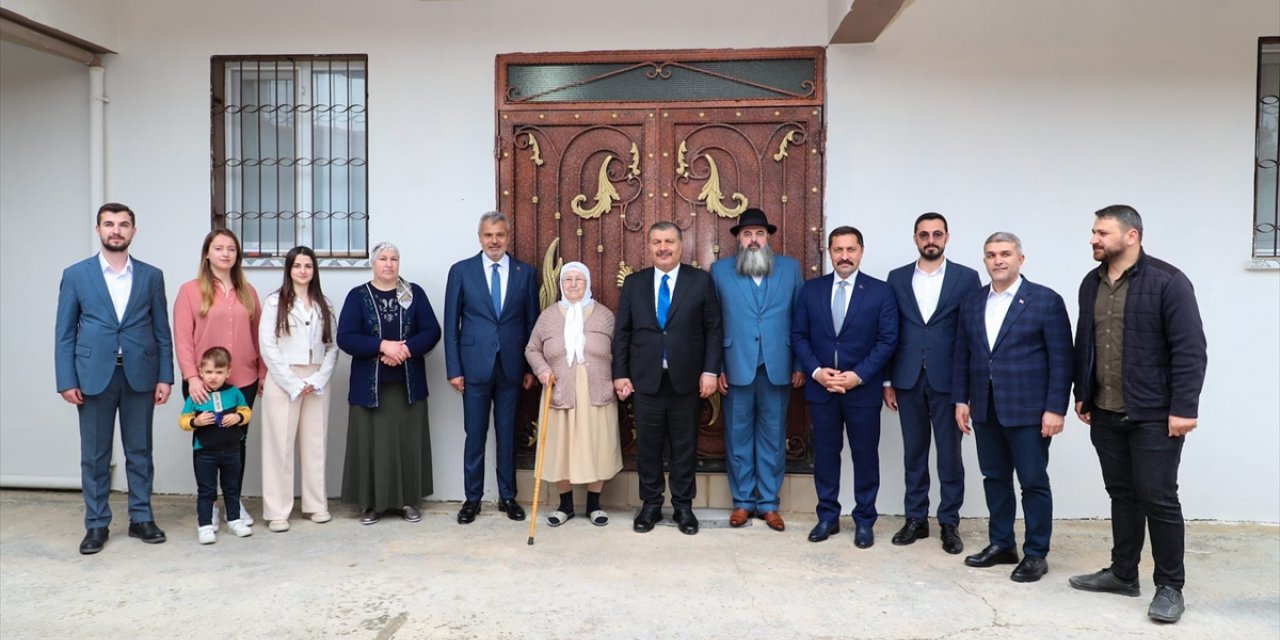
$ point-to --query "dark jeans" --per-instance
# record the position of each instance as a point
(1140, 470)
(250, 394)
(211, 466)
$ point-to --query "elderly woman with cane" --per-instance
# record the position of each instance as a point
(570, 345)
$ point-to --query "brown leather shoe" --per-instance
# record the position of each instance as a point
(774, 521)
(739, 517)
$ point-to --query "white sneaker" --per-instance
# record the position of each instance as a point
(278, 526)
(217, 514)
(321, 517)
(239, 528)
(244, 515)
(207, 534)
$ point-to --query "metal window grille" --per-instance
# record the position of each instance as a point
(1266, 202)
(290, 161)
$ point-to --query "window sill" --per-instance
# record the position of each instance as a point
(325, 263)
(1263, 264)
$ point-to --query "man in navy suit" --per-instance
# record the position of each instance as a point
(928, 292)
(490, 306)
(666, 350)
(844, 331)
(1012, 376)
(758, 291)
(113, 354)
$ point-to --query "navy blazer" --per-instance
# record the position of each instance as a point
(360, 335)
(749, 327)
(474, 336)
(864, 344)
(1031, 365)
(928, 346)
(87, 334)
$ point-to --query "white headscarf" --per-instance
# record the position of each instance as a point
(404, 292)
(575, 333)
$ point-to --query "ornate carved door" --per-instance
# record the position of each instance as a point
(584, 180)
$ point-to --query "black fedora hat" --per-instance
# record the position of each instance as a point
(752, 218)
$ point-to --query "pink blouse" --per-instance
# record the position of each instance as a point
(228, 324)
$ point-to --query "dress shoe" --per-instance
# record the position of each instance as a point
(147, 531)
(1167, 606)
(774, 520)
(951, 541)
(1030, 569)
(914, 529)
(739, 517)
(1107, 582)
(649, 515)
(512, 508)
(94, 539)
(863, 536)
(992, 556)
(370, 516)
(467, 514)
(410, 513)
(823, 530)
(686, 521)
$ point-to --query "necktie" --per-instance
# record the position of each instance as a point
(664, 301)
(495, 291)
(838, 306)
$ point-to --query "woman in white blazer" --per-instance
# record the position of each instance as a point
(296, 337)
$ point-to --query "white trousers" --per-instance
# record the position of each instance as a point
(287, 426)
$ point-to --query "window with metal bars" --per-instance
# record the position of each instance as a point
(290, 162)
(1266, 201)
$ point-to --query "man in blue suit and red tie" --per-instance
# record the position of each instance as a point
(844, 331)
(1012, 376)
(490, 306)
(113, 353)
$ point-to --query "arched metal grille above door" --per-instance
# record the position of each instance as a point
(592, 148)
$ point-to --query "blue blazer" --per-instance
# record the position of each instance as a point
(87, 334)
(928, 346)
(864, 344)
(1030, 367)
(474, 336)
(360, 334)
(748, 327)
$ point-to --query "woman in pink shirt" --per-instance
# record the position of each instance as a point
(219, 309)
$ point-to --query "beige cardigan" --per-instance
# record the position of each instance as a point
(546, 351)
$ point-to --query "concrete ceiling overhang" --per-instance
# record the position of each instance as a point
(862, 21)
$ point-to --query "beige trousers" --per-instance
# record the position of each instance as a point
(286, 426)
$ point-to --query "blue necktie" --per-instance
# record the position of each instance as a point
(495, 291)
(664, 301)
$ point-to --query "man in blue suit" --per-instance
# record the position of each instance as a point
(490, 305)
(1012, 376)
(113, 354)
(928, 292)
(844, 331)
(758, 291)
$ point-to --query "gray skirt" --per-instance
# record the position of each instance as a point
(388, 458)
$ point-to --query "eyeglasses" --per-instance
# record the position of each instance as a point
(937, 235)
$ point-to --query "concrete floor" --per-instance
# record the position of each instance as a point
(436, 579)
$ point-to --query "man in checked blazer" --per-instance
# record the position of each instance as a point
(1012, 377)
(113, 354)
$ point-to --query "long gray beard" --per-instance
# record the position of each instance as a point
(757, 263)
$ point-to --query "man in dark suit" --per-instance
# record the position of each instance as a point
(1012, 376)
(490, 306)
(844, 331)
(928, 292)
(667, 350)
(113, 354)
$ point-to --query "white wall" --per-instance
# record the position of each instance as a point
(46, 223)
(1027, 116)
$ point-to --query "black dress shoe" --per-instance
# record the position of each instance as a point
(649, 515)
(148, 532)
(863, 536)
(94, 539)
(1030, 569)
(467, 514)
(914, 529)
(1106, 582)
(823, 530)
(686, 521)
(1167, 606)
(512, 508)
(992, 556)
(951, 542)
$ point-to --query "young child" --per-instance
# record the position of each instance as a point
(217, 427)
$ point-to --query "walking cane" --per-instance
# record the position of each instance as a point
(537, 466)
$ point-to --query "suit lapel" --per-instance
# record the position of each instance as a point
(515, 282)
(648, 303)
(745, 286)
(904, 284)
(948, 287)
(136, 290)
(1016, 307)
(855, 302)
(678, 294)
(98, 282)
